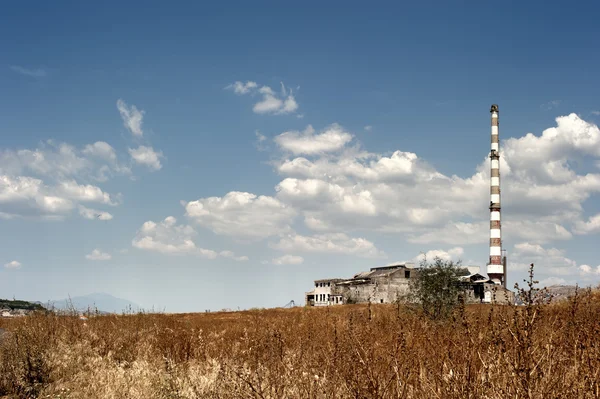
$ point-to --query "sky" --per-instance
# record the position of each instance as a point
(198, 156)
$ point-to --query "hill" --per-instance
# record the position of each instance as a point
(17, 304)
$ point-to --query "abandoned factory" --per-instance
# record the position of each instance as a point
(390, 283)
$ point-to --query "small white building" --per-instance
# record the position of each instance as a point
(322, 294)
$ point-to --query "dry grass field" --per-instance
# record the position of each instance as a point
(350, 351)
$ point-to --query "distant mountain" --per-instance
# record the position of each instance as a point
(104, 303)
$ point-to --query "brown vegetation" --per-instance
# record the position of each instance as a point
(352, 351)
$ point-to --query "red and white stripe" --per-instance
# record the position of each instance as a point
(495, 268)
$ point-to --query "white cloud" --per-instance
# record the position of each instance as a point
(35, 72)
(542, 197)
(271, 102)
(550, 281)
(168, 237)
(84, 193)
(146, 156)
(241, 87)
(59, 161)
(44, 182)
(231, 255)
(102, 150)
(96, 254)
(288, 260)
(547, 261)
(454, 254)
(22, 195)
(337, 243)
(333, 138)
(132, 117)
(94, 214)
(242, 215)
(13, 265)
(587, 269)
(589, 227)
(275, 103)
(368, 128)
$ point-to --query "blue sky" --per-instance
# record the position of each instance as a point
(132, 163)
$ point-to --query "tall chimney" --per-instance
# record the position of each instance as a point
(495, 268)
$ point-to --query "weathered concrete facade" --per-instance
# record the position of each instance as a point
(390, 283)
(378, 285)
(480, 289)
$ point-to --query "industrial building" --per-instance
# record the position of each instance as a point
(388, 284)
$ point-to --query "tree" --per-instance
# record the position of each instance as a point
(436, 287)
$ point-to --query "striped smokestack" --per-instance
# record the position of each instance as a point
(495, 268)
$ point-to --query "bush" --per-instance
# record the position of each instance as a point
(436, 288)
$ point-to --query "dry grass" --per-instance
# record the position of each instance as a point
(351, 351)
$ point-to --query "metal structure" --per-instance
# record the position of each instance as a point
(495, 267)
(290, 304)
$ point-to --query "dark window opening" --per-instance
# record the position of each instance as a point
(407, 274)
(381, 301)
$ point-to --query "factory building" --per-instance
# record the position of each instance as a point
(378, 285)
(387, 284)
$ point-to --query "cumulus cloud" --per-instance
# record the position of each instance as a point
(336, 243)
(44, 182)
(547, 261)
(341, 188)
(132, 117)
(589, 227)
(240, 214)
(61, 161)
(333, 138)
(170, 238)
(587, 269)
(96, 254)
(94, 214)
(453, 254)
(271, 102)
(13, 265)
(22, 195)
(288, 260)
(146, 156)
(84, 193)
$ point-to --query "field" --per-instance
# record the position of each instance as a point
(350, 351)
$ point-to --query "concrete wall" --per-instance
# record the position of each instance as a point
(385, 289)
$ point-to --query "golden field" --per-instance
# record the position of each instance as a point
(350, 351)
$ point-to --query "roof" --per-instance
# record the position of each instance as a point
(327, 280)
(382, 271)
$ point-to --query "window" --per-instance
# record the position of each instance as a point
(381, 301)
(329, 284)
(407, 274)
